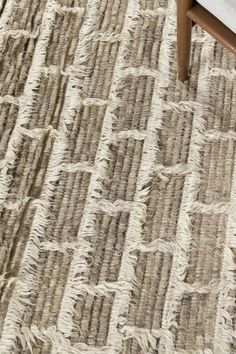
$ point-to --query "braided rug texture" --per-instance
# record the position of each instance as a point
(117, 182)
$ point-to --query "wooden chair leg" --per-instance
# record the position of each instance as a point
(184, 33)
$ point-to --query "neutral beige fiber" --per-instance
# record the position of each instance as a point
(117, 182)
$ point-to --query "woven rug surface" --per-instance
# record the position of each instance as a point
(117, 182)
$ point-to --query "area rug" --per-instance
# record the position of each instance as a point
(117, 182)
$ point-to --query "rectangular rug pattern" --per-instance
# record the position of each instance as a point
(117, 182)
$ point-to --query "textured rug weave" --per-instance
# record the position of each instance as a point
(117, 182)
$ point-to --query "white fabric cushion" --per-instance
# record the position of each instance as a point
(224, 10)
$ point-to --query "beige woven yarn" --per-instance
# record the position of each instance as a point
(117, 182)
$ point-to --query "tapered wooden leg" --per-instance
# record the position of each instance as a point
(184, 33)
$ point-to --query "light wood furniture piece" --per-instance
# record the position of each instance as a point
(189, 13)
